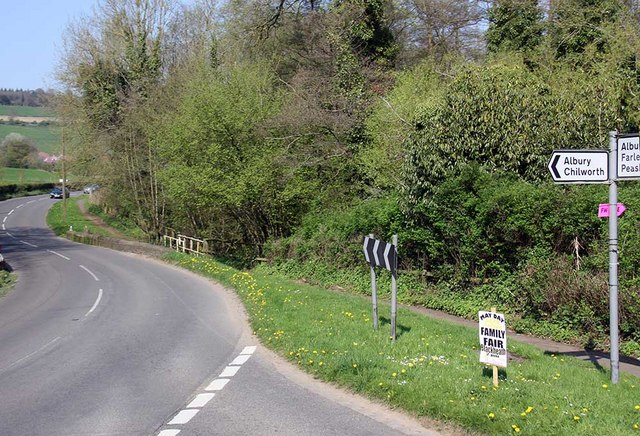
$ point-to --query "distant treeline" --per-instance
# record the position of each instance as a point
(23, 97)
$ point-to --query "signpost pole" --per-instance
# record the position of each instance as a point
(613, 258)
(394, 289)
(374, 293)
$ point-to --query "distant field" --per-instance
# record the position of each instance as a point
(25, 111)
(46, 138)
(20, 175)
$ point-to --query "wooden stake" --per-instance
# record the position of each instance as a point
(495, 368)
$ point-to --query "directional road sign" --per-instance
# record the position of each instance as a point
(380, 253)
(628, 162)
(579, 166)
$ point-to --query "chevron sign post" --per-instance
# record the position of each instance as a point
(385, 255)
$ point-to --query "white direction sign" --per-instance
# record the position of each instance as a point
(628, 164)
(579, 166)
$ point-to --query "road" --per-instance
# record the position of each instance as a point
(97, 342)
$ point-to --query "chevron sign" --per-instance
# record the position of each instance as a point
(380, 253)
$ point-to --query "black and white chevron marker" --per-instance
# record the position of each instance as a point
(380, 253)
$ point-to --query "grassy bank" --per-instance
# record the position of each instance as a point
(60, 222)
(432, 369)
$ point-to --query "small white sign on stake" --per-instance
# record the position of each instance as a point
(493, 338)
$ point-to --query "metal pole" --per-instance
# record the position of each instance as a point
(613, 257)
(394, 290)
(374, 293)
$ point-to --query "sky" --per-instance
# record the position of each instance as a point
(31, 39)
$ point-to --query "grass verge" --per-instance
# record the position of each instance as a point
(432, 369)
(74, 218)
(7, 281)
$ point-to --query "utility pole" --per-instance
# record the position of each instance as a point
(64, 180)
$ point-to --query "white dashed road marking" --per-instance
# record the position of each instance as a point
(201, 400)
(230, 371)
(183, 416)
(58, 254)
(27, 243)
(240, 359)
(96, 303)
(92, 274)
(217, 384)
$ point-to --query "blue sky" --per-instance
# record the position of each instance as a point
(31, 39)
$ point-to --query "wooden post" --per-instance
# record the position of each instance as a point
(495, 368)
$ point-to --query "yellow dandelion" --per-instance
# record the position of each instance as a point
(576, 418)
(529, 409)
(491, 415)
(605, 386)
(637, 407)
(355, 365)
(394, 374)
(523, 414)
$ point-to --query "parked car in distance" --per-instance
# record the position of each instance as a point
(90, 189)
(57, 193)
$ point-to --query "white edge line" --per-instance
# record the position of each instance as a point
(170, 432)
(183, 416)
(58, 254)
(3, 228)
(29, 244)
(4, 220)
(20, 206)
(10, 235)
(96, 303)
(92, 274)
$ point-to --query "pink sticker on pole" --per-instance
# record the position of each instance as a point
(603, 210)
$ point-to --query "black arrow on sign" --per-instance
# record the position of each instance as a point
(380, 253)
(553, 166)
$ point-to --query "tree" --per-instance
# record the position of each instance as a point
(16, 151)
(514, 25)
(114, 64)
(574, 26)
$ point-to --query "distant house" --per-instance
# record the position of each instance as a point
(48, 158)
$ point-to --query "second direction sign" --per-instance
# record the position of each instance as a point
(579, 166)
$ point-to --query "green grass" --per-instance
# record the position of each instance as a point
(26, 175)
(7, 281)
(432, 369)
(46, 138)
(60, 224)
(25, 111)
